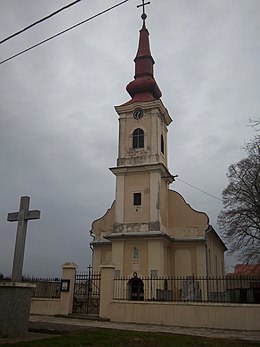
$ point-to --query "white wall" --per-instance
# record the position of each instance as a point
(200, 315)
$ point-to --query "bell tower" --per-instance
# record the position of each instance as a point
(150, 230)
(142, 175)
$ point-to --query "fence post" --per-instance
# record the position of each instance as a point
(106, 288)
(67, 288)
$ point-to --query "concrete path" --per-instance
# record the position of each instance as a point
(84, 323)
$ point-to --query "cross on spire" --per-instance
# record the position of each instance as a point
(144, 15)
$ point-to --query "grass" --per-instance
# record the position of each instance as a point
(120, 338)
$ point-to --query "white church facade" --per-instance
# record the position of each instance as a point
(150, 230)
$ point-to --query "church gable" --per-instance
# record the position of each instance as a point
(183, 221)
(103, 226)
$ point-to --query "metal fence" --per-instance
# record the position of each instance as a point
(87, 292)
(229, 289)
(45, 287)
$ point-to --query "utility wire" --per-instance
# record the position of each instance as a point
(202, 191)
(39, 21)
(64, 31)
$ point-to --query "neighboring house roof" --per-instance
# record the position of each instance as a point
(247, 269)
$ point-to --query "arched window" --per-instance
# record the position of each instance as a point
(162, 144)
(138, 138)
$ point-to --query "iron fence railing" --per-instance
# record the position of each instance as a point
(45, 287)
(87, 292)
(229, 289)
(87, 283)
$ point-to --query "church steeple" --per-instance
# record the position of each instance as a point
(143, 87)
(143, 120)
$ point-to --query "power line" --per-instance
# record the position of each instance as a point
(64, 31)
(202, 191)
(39, 21)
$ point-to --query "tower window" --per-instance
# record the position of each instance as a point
(137, 199)
(162, 144)
(138, 138)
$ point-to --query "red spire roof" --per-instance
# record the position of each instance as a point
(144, 86)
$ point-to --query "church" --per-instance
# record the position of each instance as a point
(150, 230)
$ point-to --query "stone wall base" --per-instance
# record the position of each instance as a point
(15, 300)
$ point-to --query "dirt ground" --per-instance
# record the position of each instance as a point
(38, 330)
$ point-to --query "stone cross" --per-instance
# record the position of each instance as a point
(21, 217)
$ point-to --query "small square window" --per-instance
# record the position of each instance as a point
(137, 199)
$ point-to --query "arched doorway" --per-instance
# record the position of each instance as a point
(136, 289)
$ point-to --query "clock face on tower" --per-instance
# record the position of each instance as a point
(138, 113)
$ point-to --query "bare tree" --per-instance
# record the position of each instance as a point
(240, 218)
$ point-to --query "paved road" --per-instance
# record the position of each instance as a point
(84, 323)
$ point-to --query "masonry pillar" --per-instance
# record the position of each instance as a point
(15, 300)
(106, 288)
(67, 288)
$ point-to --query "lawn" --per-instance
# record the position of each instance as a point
(119, 338)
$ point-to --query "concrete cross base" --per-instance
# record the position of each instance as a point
(15, 301)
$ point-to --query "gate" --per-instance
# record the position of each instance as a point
(87, 292)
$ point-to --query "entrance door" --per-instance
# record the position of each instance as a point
(136, 289)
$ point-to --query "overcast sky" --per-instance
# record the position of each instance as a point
(59, 129)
